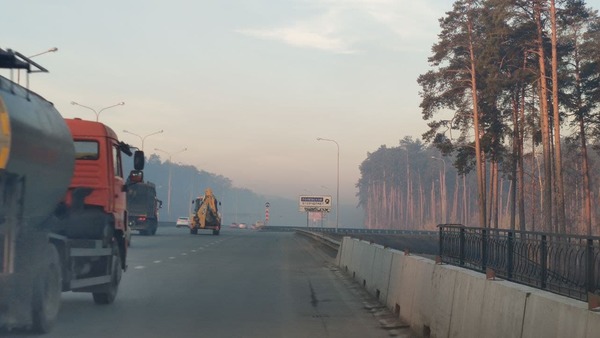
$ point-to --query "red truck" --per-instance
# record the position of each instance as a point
(62, 207)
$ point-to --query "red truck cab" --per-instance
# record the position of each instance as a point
(98, 166)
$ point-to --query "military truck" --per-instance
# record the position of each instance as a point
(142, 208)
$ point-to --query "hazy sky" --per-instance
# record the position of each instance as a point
(247, 86)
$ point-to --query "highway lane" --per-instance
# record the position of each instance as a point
(243, 283)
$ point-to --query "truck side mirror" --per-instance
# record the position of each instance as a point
(138, 160)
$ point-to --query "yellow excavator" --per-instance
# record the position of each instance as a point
(205, 215)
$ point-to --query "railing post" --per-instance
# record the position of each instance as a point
(511, 255)
(544, 261)
(484, 246)
(440, 241)
(589, 265)
(461, 246)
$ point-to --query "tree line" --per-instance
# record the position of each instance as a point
(511, 100)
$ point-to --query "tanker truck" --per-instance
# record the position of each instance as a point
(62, 205)
(205, 215)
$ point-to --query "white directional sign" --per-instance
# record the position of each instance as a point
(314, 203)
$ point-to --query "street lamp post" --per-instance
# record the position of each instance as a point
(170, 167)
(442, 189)
(337, 198)
(144, 137)
(51, 50)
(94, 110)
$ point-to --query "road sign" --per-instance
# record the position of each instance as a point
(314, 203)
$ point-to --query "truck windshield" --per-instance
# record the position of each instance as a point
(86, 150)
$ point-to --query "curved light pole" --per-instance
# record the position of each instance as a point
(442, 189)
(337, 198)
(170, 166)
(51, 50)
(94, 110)
(143, 138)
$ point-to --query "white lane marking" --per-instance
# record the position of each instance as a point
(183, 254)
(139, 267)
(171, 257)
(193, 250)
(157, 262)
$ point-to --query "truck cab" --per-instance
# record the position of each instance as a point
(98, 166)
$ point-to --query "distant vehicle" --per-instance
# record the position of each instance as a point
(233, 225)
(182, 222)
(242, 225)
(142, 208)
(205, 215)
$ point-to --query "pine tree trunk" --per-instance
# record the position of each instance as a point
(521, 164)
(481, 186)
(560, 189)
(545, 125)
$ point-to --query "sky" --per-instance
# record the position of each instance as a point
(245, 86)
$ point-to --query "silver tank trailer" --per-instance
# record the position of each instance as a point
(35, 143)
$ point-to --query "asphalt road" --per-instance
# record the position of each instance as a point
(243, 283)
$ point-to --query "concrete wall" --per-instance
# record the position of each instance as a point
(447, 301)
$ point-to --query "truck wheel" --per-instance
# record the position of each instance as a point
(108, 296)
(194, 231)
(46, 292)
(154, 228)
(216, 232)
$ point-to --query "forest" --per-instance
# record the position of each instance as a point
(512, 104)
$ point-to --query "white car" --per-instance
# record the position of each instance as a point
(182, 222)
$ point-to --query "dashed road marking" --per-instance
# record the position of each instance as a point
(193, 250)
(183, 254)
(139, 267)
(157, 262)
(171, 257)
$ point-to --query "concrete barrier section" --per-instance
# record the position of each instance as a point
(357, 252)
(346, 252)
(364, 274)
(593, 325)
(422, 298)
(395, 284)
(548, 315)
(503, 309)
(443, 282)
(467, 304)
(380, 279)
(407, 285)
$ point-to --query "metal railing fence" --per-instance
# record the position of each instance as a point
(564, 264)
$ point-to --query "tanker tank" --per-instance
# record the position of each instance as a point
(36, 144)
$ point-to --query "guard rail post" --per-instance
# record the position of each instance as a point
(589, 265)
(544, 262)
(484, 249)
(461, 244)
(511, 254)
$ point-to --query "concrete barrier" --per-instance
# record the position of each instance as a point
(548, 315)
(345, 252)
(503, 309)
(364, 272)
(380, 277)
(443, 284)
(448, 301)
(356, 257)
